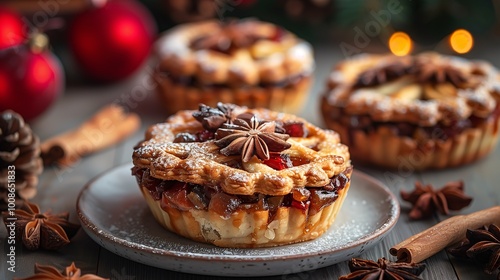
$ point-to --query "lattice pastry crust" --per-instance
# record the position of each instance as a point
(201, 163)
(406, 99)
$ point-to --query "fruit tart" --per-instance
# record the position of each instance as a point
(245, 62)
(414, 112)
(238, 177)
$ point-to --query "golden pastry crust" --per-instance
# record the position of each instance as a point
(265, 61)
(201, 163)
(383, 148)
(406, 98)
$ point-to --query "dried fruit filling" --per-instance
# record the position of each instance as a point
(439, 131)
(187, 196)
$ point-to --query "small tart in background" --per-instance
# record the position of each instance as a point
(414, 112)
(244, 62)
(238, 177)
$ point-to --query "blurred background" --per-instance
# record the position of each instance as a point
(99, 42)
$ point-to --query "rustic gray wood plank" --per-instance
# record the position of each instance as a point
(58, 191)
(481, 183)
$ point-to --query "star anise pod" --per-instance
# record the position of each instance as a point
(427, 71)
(481, 245)
(381, 74)
(45, 272)
(426, 200)
(248, 136)
(213, 118)
(40, 230)
(383, 270)
(232, 34)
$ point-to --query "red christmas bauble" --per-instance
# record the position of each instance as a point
(30, 80)
(112, 41)
(12, 28)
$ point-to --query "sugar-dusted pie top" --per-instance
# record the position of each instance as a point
(424, 89)
(321, 155)
(244, 52)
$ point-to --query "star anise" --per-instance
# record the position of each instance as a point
(231, 35)
(248, 136)
(213, 118)
(381, 74)
(383, 269)
(45, 272)
(40, 230)
(481, 245)
(426, 200)
(427, 71)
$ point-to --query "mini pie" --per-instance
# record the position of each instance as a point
(414, 112)
(238, 177)
(245, 62)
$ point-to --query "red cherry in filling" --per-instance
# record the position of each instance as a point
(278, 161)
(278, 34)
(295, 129)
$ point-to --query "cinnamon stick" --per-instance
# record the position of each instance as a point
(448, 232)
(107, 127)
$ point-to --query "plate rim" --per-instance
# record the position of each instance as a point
(88, 225)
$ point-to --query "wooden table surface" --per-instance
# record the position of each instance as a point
(58, 188)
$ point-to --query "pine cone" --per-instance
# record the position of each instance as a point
(19, 154)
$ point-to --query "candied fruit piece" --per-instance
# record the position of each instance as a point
(278, 161)
(256, 203)
(338, 182)
(176, 196)
(321, 198)
(224, 204)
(295, 129)
(301, 194)
(197, 197)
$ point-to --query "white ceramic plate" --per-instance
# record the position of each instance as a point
(113, 213)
